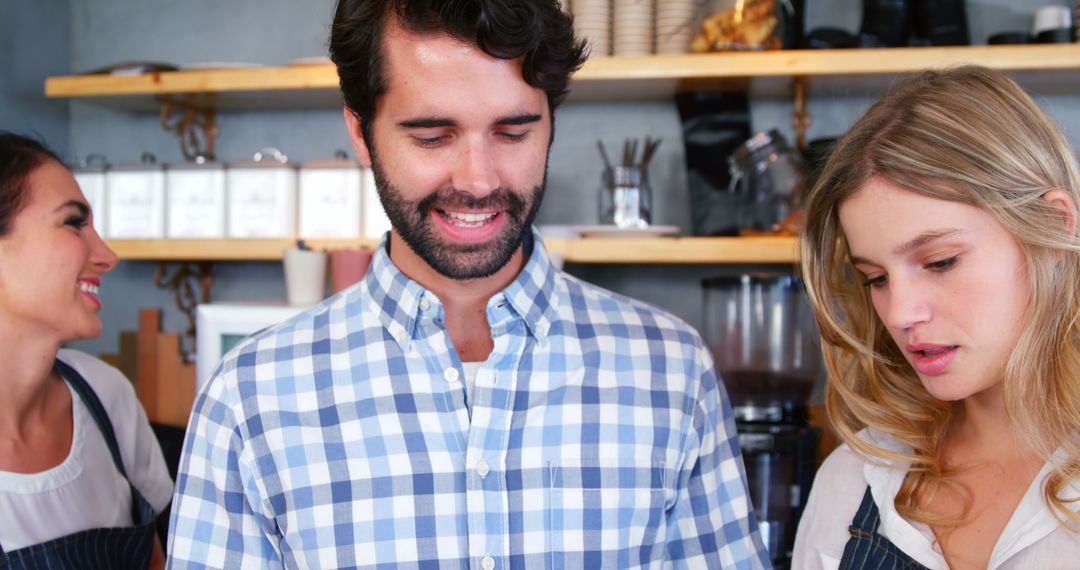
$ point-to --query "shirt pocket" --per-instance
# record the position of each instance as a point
(605, 513)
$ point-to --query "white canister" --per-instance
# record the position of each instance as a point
(375, 221)
(195, 200)
(330, 192)
(90, 174)
(261, 197)
(135, 200)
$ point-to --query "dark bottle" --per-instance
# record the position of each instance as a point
(792, 17)
(941, 22)
(885, 23)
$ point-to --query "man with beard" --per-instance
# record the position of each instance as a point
(466, 404)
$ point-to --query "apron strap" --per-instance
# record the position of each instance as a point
(867, 519)
(142, 512)
(97, 410)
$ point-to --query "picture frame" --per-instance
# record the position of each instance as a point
(220, 326)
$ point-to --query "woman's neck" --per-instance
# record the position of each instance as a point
(25, 380)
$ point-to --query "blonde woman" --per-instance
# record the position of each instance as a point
(941, 258)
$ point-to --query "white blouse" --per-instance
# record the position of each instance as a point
(1033, 537)
(85, 490)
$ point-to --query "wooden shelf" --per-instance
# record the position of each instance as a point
(1041, 68)
(316, 86)
(677, 250)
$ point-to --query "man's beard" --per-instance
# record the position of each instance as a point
(412, 221)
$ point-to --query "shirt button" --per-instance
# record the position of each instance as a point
(424, 304)
(450, 374)
(482, 468)
(487, 563)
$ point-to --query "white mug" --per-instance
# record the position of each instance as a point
(1051, 18)
(305, 276)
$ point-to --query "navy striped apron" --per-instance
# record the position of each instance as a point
(120, 547)
(868, 549)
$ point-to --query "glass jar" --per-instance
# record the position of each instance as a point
(626, 198)
(768, 177)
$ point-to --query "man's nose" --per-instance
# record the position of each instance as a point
(476, 172)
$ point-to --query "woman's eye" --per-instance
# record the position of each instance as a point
(875, 282)
(78, 222)
(943, 265)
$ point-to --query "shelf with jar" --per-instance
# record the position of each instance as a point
(644, 250)
(604, 78)
(1041, 67)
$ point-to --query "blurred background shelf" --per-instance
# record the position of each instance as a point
(606, 78)
(660, 250)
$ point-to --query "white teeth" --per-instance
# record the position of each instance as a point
(934, 351)
(88, 288)
(468, 220)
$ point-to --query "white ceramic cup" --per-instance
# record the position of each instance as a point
(305, 276)
(1051, 18)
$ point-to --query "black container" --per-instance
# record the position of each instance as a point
(780, 466)
(941, 22)
(714, 125)
(885, 23)
(791, 15)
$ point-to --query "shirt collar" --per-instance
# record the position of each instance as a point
(533, 295)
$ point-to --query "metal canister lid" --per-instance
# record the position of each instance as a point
(757, 142)
(265, 158)
(147, 162)
(341, 160)
(93, 163)
(201, 162)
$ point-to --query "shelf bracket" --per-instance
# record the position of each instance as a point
(191, 286)
(193, 123)
(800, 117)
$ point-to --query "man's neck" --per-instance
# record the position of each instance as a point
(464, 301)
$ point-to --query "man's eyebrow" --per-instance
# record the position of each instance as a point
(427, 123)
(83, 208)
(437, 122)
(912, 244)
(518, 119)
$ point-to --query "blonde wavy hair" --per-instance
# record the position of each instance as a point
(966, 134)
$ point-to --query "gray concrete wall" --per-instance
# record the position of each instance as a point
(34, 42)
(274, 32)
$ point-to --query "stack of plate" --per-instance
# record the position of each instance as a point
(633, 27)
(592, 21)
(676, 24)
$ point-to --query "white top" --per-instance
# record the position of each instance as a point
(1033, 537)
(471, 370)
(85, 490)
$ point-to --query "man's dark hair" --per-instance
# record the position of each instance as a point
(20, 156)
(536, 30)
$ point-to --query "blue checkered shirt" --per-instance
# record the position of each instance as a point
(597, 438)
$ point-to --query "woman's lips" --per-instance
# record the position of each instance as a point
(89, 289)
(932, 359)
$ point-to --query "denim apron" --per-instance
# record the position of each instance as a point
(868, 549)
(120, 547)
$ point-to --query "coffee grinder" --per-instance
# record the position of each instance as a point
(762, 334)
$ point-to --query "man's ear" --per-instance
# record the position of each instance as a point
(356, 137)
(1063, 202)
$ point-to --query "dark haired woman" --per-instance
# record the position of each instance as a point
(81, 475)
